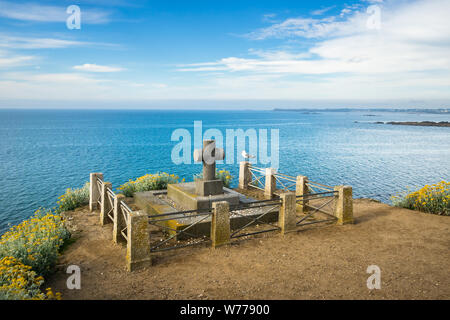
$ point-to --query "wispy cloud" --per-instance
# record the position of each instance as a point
(8, 60)
(412, 44)
(14, 42)
(97, 68)
(20, 42)
(322, 11)
(45, 13)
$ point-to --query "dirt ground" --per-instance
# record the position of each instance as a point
(317, 262)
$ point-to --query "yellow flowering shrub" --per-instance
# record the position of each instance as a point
(223, 175)
(36, 241)
(73, 198)
(431, 199)
(157, 181)
(19, 282)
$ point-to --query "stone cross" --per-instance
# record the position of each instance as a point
(209, 185)
(209, 155)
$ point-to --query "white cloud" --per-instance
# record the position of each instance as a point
(412, 47)
(322, 11)
(96, 68)
(15, 42)
(8, 60)
(45, 13)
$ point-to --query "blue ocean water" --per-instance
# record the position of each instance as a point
(43, 152)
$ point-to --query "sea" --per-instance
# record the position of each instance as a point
(44, 152)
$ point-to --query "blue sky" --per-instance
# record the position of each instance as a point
(225, 54)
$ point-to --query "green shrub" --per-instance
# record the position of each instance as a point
(36, 241)
(223, 175)
(431, 199)
(73, 198)
(157, 181)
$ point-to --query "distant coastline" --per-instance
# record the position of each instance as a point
(421, 124)
(415, 123)
(312, 111)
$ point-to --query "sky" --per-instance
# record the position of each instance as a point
(225, 54)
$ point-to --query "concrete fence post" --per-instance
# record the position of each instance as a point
(220, 224)
(138, 244)
(301, 189)
(119, 222)
(106, 205)
(344, 205)
(94, 192)
(244, 175)
(271, 183)
(287, 218)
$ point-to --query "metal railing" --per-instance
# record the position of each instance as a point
(285, 182)
(110, 195)
(125, 209)
(259, 175)
(254, 219)
(100, 188)
(325, 199)
(159, 220)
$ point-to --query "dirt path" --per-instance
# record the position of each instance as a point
(327, 262)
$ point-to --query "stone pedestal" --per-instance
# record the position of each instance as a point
(208, 188)
(186, 196)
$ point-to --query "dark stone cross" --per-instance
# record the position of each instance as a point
(209, 185)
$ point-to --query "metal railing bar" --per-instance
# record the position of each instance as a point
(246, 207)
(251, 167)
(315, 194)
(110, 192)
(310, 214)
(319, 184)
(179, 246)
(262, 222)
(255, 187)
(314, 222)
(206, 211)
(286, 175)
(314, 187)
(125, 206)
(254, 233)
(124, 235)
(185, 217)
(172, 229)
(173, 236)
(321, 211)
(251, 222)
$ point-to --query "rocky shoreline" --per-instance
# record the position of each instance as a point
(413, 123)
(422, 123)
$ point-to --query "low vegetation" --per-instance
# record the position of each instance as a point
(223, 175)
(430, 199)
(148, 182)
(73, 198)
(28, 252)
(19, 282)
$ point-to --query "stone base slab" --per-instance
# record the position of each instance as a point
(185, 195)
(208, 188)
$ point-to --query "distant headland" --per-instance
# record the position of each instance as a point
(415, 123)
(312, 111)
